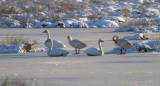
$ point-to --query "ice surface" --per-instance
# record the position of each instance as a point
(131, 69)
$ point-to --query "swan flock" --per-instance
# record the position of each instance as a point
(55, 46)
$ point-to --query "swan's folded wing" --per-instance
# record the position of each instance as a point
(123, 43)
(78, 43)
(92, 51)
(58, 44)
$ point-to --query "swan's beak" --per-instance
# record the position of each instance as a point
(101, 40)
(44, 31)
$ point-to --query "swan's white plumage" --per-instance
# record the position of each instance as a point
(122, 43)
(52, 52)
(92, 51)
(77, 44)
(56, 43)
(57, 52)
(95, 51)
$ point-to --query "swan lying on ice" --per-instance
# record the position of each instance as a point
(53, 52)
(56, 43)
(94, 51)
(76, 44)
(122, 43)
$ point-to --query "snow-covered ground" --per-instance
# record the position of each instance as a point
(128, 15)
(112, 69)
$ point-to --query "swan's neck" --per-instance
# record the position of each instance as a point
(48, 35)
(51, 47)
(101, 49)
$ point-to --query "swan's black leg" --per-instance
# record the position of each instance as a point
(121, 51)
(78, 51)
(124, 51)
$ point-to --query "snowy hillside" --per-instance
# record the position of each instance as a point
(81, 14)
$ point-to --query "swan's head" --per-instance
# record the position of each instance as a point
(100, 40)
(69, 37)
(115, 37)
(46, 31)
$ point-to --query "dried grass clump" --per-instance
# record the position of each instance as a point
(18, 39)
(13, 40)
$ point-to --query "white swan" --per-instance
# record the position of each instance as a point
(53, 52)
(94, 51)
(76, 44)
(56, 43)
(122, 43)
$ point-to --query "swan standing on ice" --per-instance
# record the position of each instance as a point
(94, 51)
(122, 43)
(53, 52)
(76, 44)
(56, 43)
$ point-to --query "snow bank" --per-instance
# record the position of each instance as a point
(103, 23)
(13, 48)
(142, 1)
(138, 36)
(3, 26)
